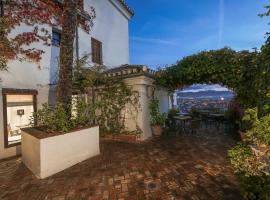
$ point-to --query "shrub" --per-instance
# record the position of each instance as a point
(57, 119)
(255, 183)
(251, 161)
(249, 118)
(260, 132)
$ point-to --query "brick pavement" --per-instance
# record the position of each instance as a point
(189, 167)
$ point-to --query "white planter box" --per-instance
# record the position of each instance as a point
(48, 156)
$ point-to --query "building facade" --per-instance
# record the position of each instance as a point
(27, 85)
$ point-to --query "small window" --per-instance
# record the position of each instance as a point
(18, 106)
(56, 38)
(96, 51)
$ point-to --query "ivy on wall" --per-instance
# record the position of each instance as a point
(114, 101)
(112, 98)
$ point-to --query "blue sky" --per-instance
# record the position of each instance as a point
(164, 31)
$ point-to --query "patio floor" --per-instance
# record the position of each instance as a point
(182, 167)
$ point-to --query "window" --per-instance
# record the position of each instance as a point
(56, 38)
(96, 51)
(18, 106)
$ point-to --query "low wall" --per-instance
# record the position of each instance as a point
(48, 156)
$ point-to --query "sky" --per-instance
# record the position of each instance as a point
(164, 31)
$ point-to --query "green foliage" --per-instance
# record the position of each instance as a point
(255, 187)
(85, 76)
(251, 160)
(113, 97)
(52, 119)
(255, 184)
(240, 157)
(264, 107)
(83, 113)
(57, 119)
(173, 112)
(110, 97)
(260, 132)
(157, 118)
(240, 71)
(249, 118)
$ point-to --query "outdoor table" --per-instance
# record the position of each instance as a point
(182, 120)
(218, 117)
(204, 113)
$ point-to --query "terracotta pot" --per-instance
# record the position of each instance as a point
(157, 130)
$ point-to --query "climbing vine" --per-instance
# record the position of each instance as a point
(238, 71)
(115, 100)
(112, 98)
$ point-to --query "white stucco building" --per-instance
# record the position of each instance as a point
(27, 85)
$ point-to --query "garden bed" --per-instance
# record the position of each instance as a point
(47, 154)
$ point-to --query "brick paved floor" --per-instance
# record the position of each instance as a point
(183, 167)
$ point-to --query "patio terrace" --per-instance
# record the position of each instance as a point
(188, 166)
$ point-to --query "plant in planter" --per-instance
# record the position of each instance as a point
(157, 119)
(57, 140)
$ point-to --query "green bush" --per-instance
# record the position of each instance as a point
(251, 161)
(249, 118)
(57, 119)
(260, 132)
(255, 187)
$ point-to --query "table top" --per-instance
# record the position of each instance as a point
(182, 117)
(217, 115)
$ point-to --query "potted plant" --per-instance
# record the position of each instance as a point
(157, 119)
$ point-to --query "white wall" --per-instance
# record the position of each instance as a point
(142, 84)
(110, 27)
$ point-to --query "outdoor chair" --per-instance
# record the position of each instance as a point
(194, 125)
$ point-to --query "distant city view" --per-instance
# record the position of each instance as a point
(204, 97)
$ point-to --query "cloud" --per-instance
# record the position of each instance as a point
(152, 40)
(204, 87)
